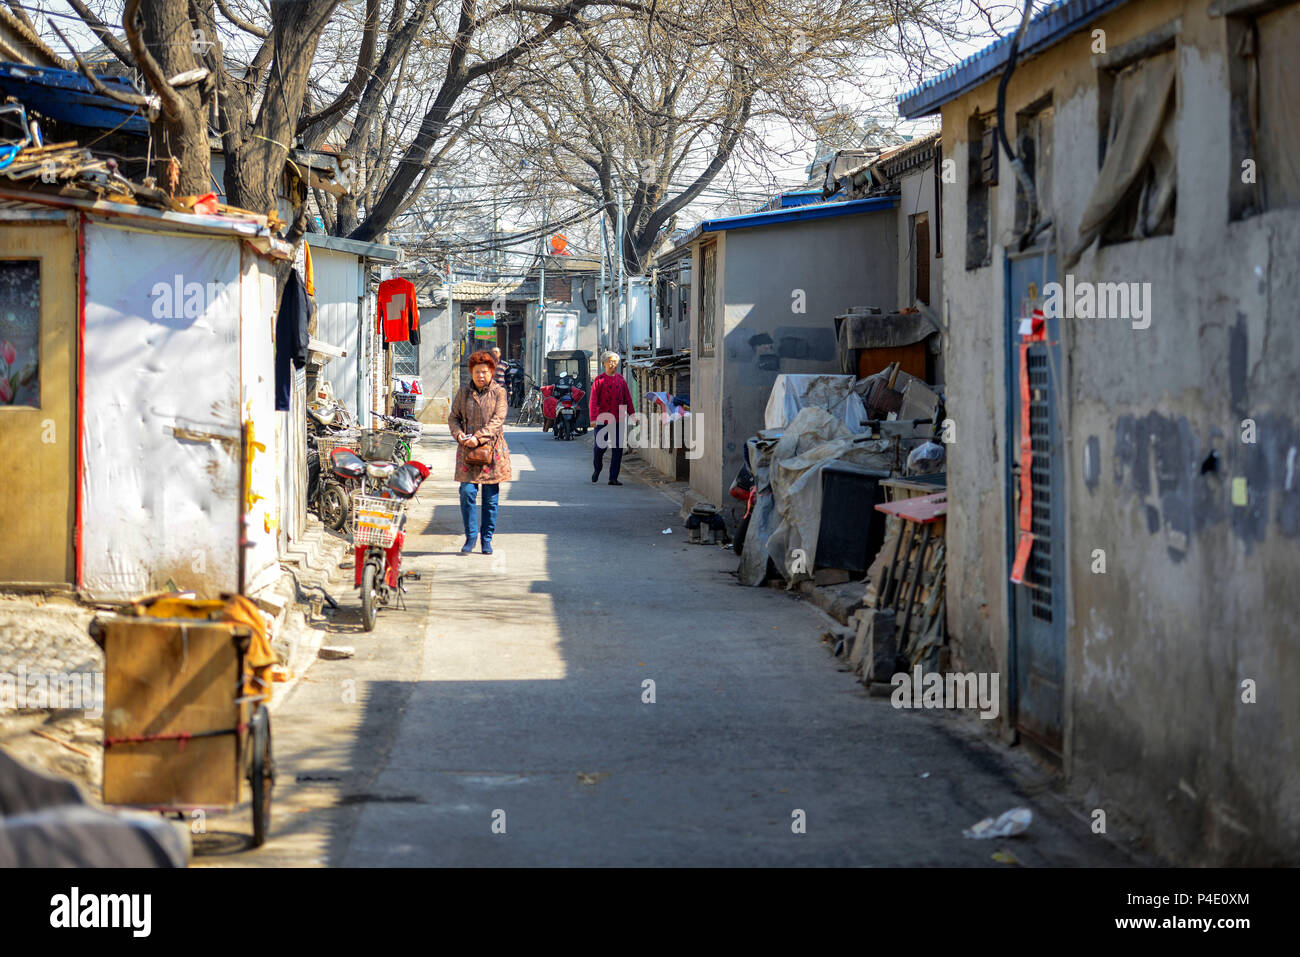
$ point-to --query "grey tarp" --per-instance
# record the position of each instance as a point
(788, 475)
(1142, 131)
(835, 393)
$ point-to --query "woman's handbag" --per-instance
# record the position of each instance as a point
(482, 454)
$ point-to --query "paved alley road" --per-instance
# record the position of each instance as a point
(510, 692)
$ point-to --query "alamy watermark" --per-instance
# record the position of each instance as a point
(57, 691)
(952, 690)
(655, 431)
(1098, 300)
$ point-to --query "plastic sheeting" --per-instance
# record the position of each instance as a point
(787, 468)
(835, 393)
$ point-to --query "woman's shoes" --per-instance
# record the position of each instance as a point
(615, 482)
(467, 548)
(487, 548)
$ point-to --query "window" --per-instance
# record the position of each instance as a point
(921, 258)
(684, 293)
(406, 358)
(982, 176)
(1034, 147)
(1265, 140)
(20, 332)
(708, 285)
(1137, 86)
(938, 201)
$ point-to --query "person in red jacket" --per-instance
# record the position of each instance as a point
(611, 401)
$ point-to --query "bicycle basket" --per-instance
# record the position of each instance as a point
(379, 444)
(375, 520)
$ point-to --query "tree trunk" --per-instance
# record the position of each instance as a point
(169, 35)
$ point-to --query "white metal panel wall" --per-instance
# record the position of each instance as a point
(161, 440)
(264, 514)
(337, 282)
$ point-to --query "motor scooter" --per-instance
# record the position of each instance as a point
(561, 408)
(378, 533)
(350, 475)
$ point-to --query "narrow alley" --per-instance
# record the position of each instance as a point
(512, 689)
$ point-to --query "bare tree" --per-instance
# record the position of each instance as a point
(645, 115)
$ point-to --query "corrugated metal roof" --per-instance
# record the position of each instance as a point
(791, 215)
(1048, 28)
(342, 244)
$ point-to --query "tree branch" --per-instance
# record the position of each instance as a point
(103, 31)
(247, 26)
(365, 59)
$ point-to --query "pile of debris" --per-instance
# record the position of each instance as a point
(67, 166)
(850, 508)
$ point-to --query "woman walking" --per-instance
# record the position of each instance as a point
(477, 422)
(611, 401)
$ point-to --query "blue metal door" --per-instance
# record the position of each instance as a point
(1037, 601)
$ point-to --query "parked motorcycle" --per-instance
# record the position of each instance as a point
(561, 407)
(515, 377)
(378, 533)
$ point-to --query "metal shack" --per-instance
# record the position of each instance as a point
(138, 397)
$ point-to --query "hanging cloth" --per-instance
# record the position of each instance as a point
(308, 279)
(291, 337)
(399, 317)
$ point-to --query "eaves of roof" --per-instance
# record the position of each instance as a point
(791, 215)
(1048, 28)
(342, 244)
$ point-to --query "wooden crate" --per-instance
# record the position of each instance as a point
(167, 676)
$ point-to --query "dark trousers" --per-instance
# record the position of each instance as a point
(608, 435)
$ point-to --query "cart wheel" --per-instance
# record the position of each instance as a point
(368, 597)
(261, 775)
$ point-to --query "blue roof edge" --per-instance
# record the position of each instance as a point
(1048, 28)
(791, 214)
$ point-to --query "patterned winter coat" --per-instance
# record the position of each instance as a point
(483, 415)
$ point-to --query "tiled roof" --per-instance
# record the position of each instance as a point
(1048, 28)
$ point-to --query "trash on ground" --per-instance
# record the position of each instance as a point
(1006, 824)
(334, 652)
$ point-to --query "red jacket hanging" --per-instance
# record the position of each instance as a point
(398, 322)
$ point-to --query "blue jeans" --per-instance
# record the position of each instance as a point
(469, 514)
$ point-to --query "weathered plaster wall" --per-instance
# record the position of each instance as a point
(786, 282)
(917, 195)
(706, 383)
(1198, 592)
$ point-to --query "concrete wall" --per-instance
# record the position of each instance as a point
(787, 281)
(917, 196)
(707, 396)
(1198, 593)
(439, 359)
